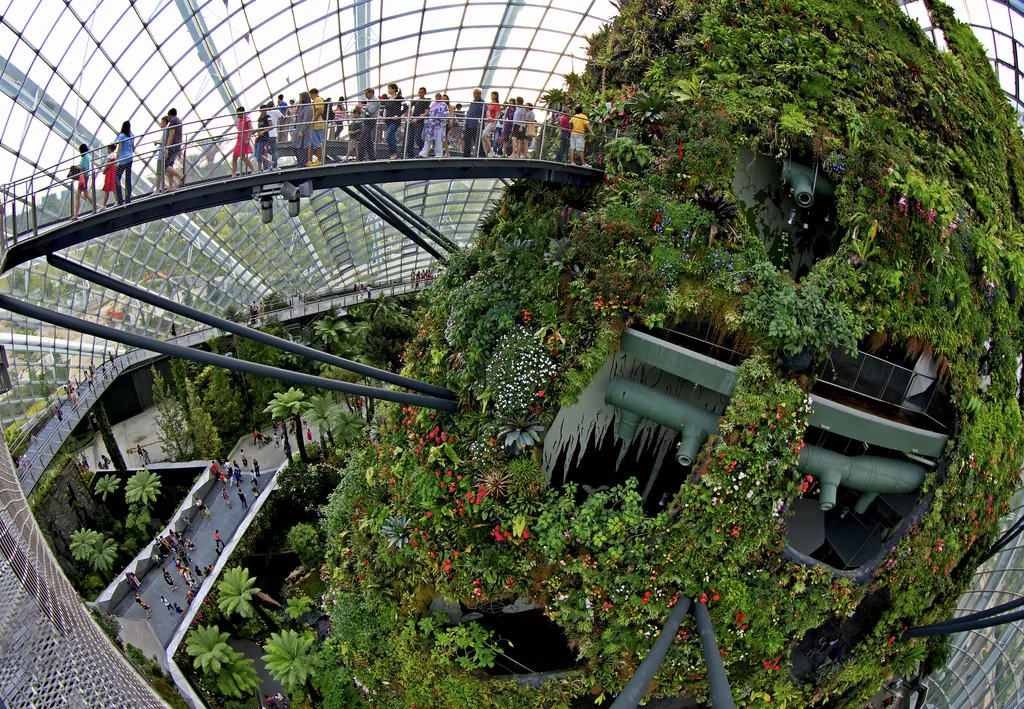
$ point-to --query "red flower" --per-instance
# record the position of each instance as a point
(540, 393)
(526, 535)
(429, 513)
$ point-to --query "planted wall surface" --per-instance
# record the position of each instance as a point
(919, 249)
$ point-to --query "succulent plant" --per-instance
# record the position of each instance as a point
(396, 530)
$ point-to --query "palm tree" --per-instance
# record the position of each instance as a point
(237, 589)
(104, 555)
(142, 488)
(209, 647)
(331, 332)
(83, 544)
(238, 678)
(291, 403)
(288, 659)
(321, 412)
(234, 673)
(106, 485)
(346, 427)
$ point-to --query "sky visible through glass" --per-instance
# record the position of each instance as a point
(73, 72)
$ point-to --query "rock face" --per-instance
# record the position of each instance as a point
(67, 508)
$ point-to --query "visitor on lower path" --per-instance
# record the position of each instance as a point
(138, 599)
(218, 540)
(167, 604)
(169, 580)
(241, 496)
(227, 499)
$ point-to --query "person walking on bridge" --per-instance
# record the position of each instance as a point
(302, 133)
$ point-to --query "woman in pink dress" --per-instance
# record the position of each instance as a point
(243, 144)
(109, 174)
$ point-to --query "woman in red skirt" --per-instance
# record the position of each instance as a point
(109, 175)
(243, 144)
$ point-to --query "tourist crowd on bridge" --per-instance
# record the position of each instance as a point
(302, 127)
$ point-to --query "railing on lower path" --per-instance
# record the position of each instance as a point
(51, 436)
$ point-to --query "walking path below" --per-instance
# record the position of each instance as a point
(230, 522)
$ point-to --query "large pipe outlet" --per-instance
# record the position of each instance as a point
(867, 473)
(806, 185)
(636, 401)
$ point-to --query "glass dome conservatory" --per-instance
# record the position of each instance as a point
(73, 77)
(71, 73)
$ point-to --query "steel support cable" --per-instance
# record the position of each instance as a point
(974, 621)
(243, 331)
(393, 220)
(236, 365)
(435, 235)
(398, 212)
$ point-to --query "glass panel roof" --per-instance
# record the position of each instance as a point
(72, 72)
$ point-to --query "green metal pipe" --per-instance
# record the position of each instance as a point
(864, 501)
(805, 184)
(863, 472)
(636, 401)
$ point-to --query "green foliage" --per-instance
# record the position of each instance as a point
(307, 486)
(84, 543)
(928, 168)
(97, 550)
(205, 439)
(226, 405)
(297, 606)
(109, 442)
(236, 591)
(232, 671)
(174, 438)
(289, 659)
(306, 541)
(808, 315)
(518, 372)
(104, 555)
(291, 404)
(143, 488)
(107, 484)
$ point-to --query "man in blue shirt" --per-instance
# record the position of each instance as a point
(474, 122)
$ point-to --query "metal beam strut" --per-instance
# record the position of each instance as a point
(236, 365)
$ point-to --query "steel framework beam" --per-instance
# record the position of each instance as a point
(243, 331)
(208, 53)
(236, 365)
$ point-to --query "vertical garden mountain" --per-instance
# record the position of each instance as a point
(806, 178)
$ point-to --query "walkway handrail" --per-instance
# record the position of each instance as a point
(46, 197)
(44, 447)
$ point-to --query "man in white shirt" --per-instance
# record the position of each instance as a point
(275, 115)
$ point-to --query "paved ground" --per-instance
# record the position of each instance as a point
(226, 520)
(140, 430)
(270, 686)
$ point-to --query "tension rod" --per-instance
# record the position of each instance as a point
(243, 331)
(236, 365)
